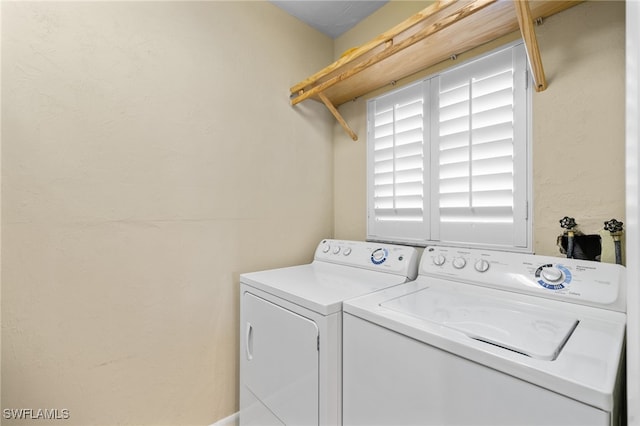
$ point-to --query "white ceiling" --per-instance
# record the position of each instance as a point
(331, 17)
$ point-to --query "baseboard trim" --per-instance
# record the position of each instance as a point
(231, 420)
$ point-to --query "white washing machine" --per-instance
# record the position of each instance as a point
(488, 338)
(291, 329)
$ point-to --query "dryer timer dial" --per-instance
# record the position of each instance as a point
(379, 256)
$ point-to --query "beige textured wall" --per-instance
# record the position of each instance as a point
(578, 124)
(149, 157)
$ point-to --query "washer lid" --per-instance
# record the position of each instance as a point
(531, 330)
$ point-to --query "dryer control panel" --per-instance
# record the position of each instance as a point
(390, 258)
(577, 281)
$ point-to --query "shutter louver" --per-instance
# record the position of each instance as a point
(476, 148)
(398, 159)
(474, 151)
(397, 133)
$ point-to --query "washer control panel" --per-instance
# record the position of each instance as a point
(396, 259)
(578, 281)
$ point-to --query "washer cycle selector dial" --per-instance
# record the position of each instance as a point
(553, 277)
(326, 247)
(552, 274)
(459, 262)
(439, 260)
(379, 256)
(481, 265)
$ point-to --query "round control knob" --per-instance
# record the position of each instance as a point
(482, 265)
(439, 260)
(346, 251)
(378, 256)
(326, 247)
(552, 274)
(336, 250)
(459, 262)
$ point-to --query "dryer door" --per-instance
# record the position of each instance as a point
(280, 360)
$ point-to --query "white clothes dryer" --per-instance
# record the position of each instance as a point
(291, 329)
(488, 338)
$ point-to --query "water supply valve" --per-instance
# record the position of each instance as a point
(569, 223)
(615, 228)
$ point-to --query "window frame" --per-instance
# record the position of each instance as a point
(423, 235)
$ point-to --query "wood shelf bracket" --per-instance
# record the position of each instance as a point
(442, 30)
(523, 11)
(338, 116)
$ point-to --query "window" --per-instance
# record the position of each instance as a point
(448, 157)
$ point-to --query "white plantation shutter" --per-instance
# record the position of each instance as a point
(396, 166)
(448, 157)
(478, 144)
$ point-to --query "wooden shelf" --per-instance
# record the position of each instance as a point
(444, 29)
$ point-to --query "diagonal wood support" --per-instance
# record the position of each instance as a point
(523, 12)
(337, 115)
